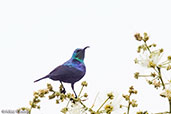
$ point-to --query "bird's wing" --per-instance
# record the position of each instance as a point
(66, 73)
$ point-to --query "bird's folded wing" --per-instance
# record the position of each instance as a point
(66, 74)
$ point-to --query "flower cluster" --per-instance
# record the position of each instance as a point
(147, 58)
(150, 58)
(167, 93)
(131, 102)
(108, 108)
(74, 105)
(77, 107)
(34, 103)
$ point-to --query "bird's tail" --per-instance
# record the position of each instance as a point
(47, 76)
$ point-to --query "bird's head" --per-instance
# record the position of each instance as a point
(79, 54)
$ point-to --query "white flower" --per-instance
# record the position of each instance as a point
(76, 109)
(147, 59)
(167, 93)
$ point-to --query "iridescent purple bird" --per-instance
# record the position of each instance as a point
(71, 71)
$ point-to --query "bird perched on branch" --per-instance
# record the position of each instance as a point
(71, 71)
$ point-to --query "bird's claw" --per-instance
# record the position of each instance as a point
(63, 91)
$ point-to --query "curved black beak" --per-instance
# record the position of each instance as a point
(86, 47)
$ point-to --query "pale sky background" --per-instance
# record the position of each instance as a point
(38, 35)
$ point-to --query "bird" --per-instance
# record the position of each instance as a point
(70, 71)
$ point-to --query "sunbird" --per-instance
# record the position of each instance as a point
(71, 71)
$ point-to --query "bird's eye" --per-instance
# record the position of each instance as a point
(78, 50)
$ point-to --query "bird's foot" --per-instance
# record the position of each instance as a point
(76, 96)
(73, 100)
(63, 91)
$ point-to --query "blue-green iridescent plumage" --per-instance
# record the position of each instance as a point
(76, 62)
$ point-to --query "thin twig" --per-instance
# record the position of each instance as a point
(102, 104)
(95, 100)
(129, 104)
